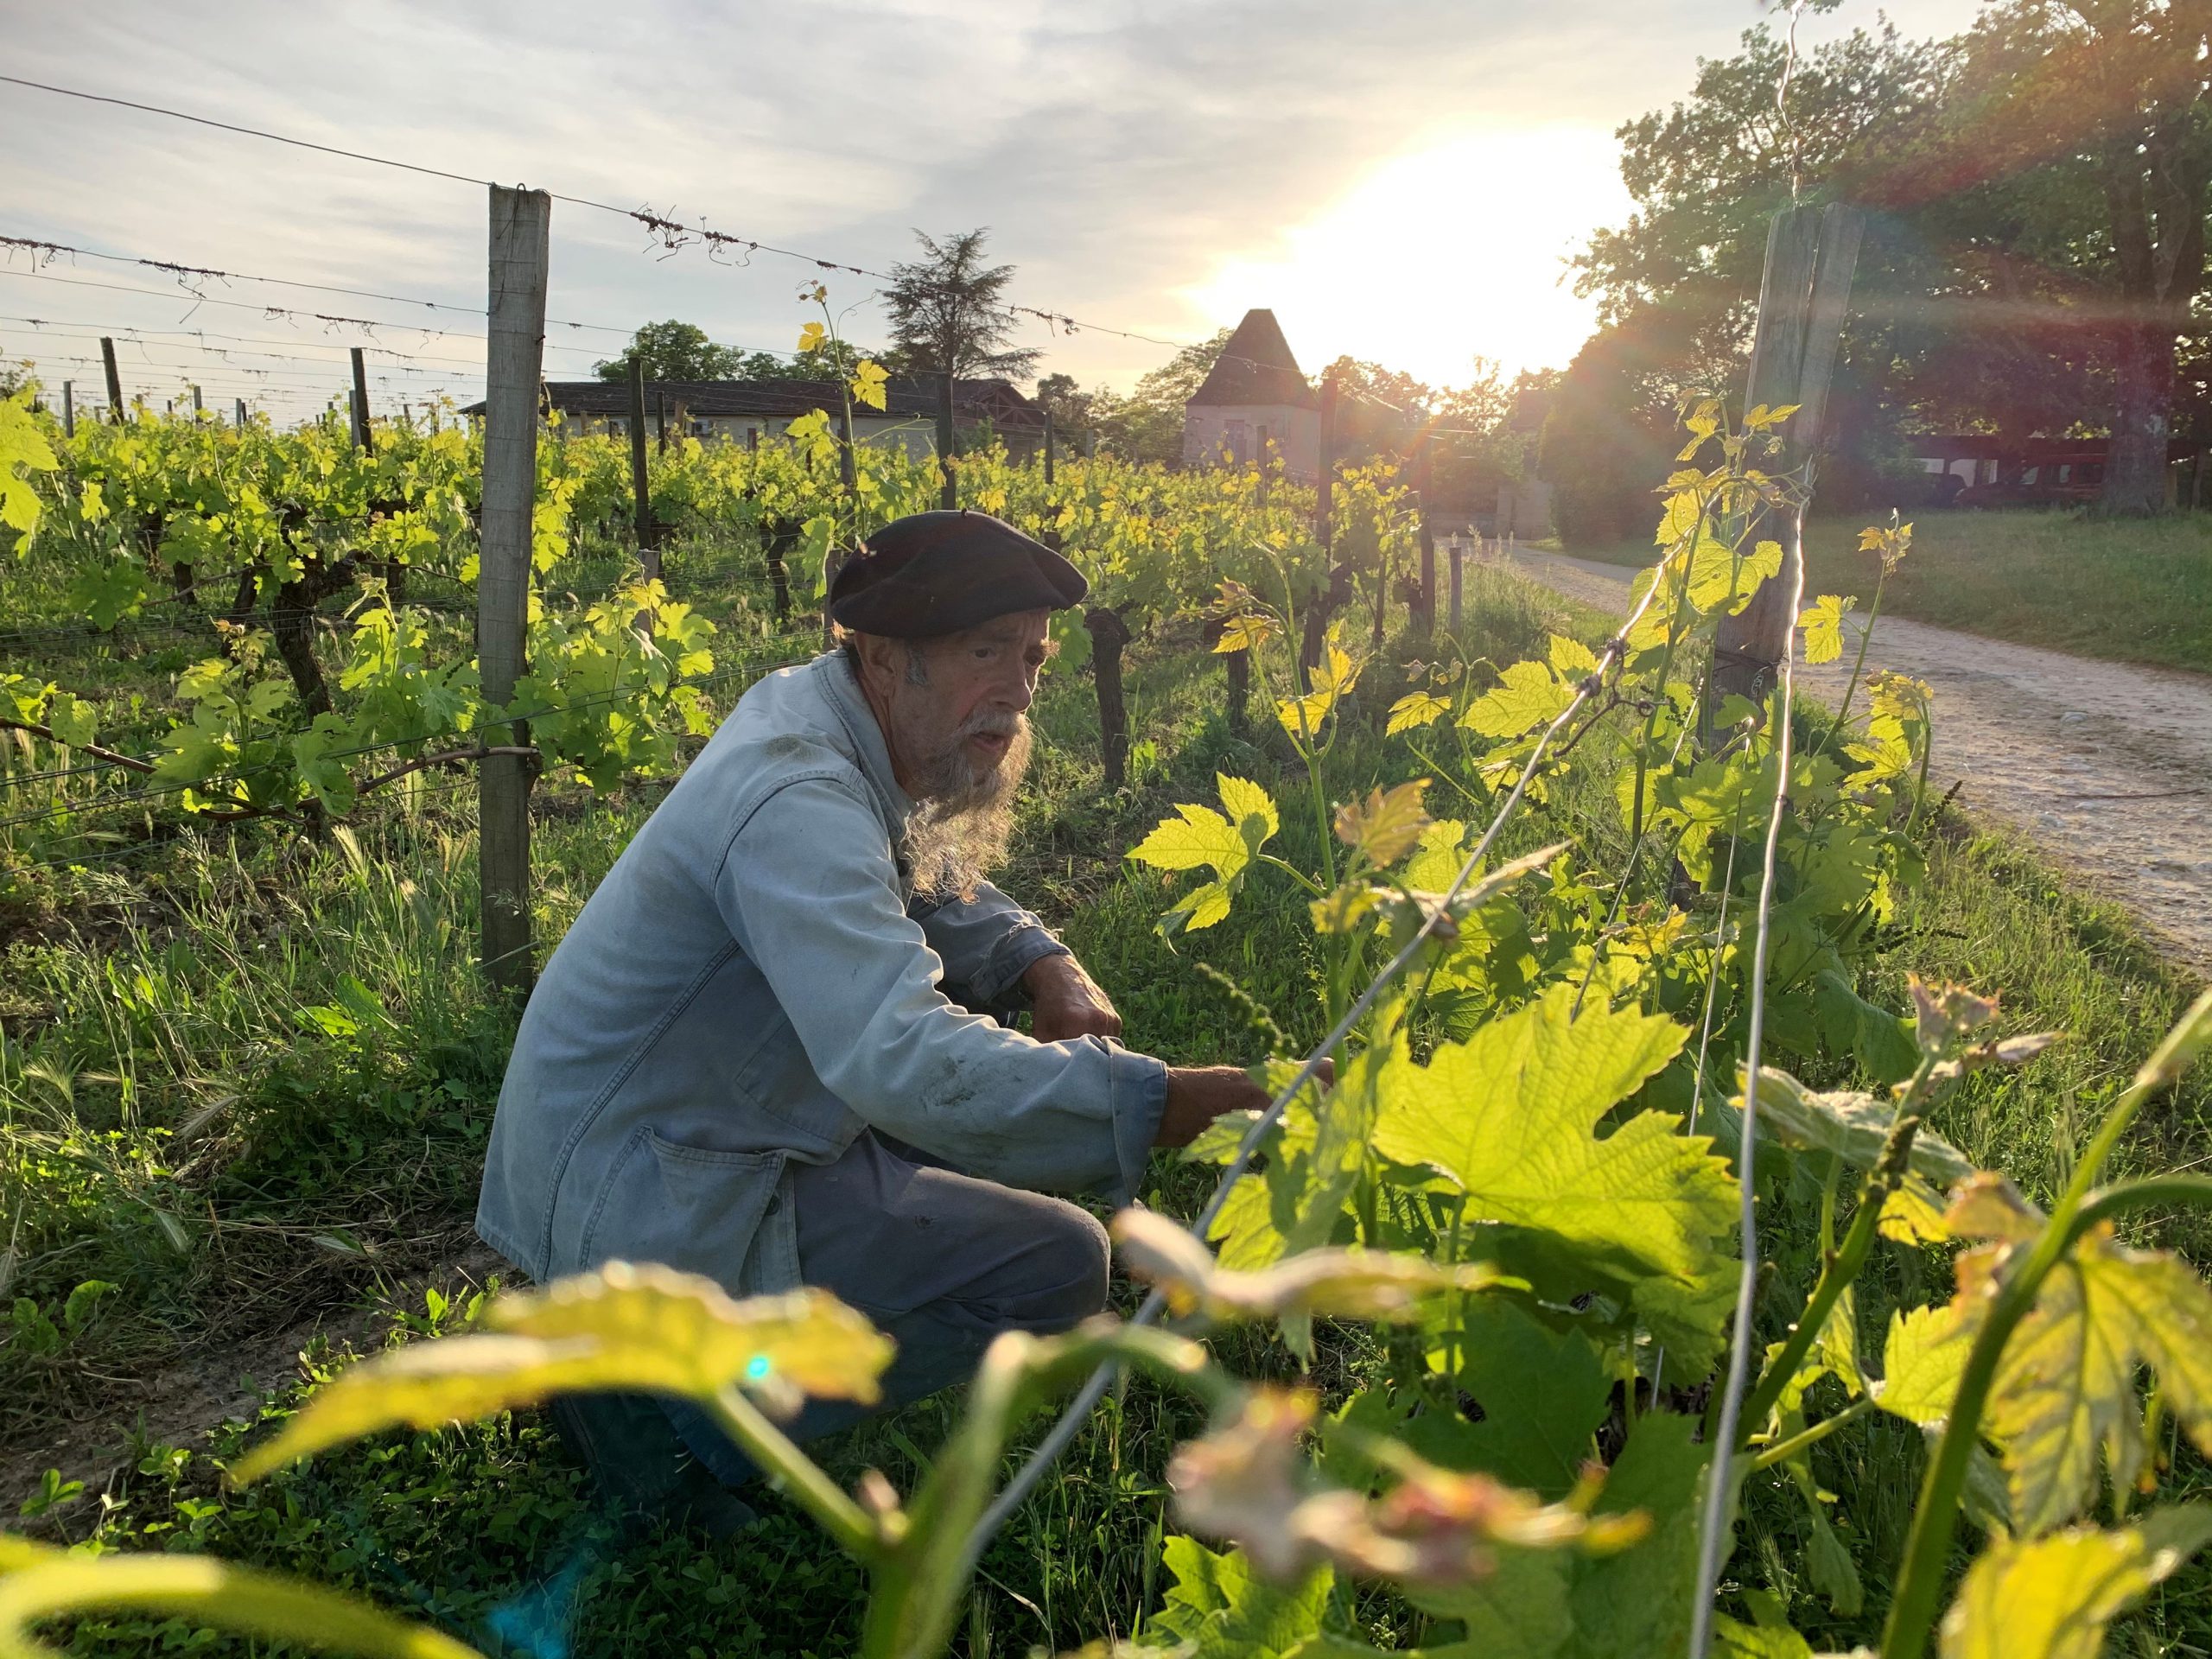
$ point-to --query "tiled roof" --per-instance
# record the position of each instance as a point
(1256, 367)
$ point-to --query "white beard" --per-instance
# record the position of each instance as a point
(961, 828)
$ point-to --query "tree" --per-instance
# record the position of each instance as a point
(1069, 405)
(833, 360)
(673, 350)
(2106, 105)
(947, 313)
(1146, 424)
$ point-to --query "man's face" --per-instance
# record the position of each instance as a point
(954, 706)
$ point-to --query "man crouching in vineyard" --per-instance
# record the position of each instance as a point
(765, 1051)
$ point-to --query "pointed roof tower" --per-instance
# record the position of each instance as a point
(1256, 367)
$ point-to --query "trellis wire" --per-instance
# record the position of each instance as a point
(1063, 1432)
(1720, 1472)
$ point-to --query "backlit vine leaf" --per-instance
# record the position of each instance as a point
(1415, 709)
(1203, 838)
(1528, 695)
(1510, 1118)
(1822, 621)
(39, 1585)
(2051, 1597)
(1850, 1125)
(647, 1329)
(23, 451)
(1217, 1608)
(1345, 1284)
(1384, 827)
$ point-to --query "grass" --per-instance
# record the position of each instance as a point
(2128, 591)
(314, 1016)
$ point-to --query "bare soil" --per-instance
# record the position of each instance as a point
(2106, 766)
(210, 1383)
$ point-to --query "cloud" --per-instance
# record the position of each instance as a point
(1124, 155)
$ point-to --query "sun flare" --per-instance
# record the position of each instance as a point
(1444, 254)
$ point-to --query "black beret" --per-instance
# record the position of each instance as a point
(940, 572)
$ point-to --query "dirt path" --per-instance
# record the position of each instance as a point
(2106, 766)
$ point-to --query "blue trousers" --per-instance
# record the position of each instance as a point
(940, 1261)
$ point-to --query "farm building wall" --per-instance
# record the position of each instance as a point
(1229, 435)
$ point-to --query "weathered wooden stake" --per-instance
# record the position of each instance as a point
(1458, 553)
(114, 381)
(1425, 615)
(361, 402)
(1109, 633)
(660, 417)
(1089, 444)
(520, 225)
(68, 409)
(1811, 253)
(241, 414)
(949, 491)
(195, 400)
(1052, 451)
(1317, 609)
(641, 496)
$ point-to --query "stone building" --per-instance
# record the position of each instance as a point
(1257, 402)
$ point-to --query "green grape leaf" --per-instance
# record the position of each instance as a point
(2051, 1597)
(1347, 1284)
(1223, 1610)
(1415, 708)
(643, 1329)
(1570, 659)
(37, 1586)
(1627, 1606)
(1203, 838)
(1528, 695)
(1510, 1115)
(1850, 1125)
(2067, 1384)
(1543, 1394)
(74, 721)
(23, 451)
(1387, 825)
(1925, 1352)
(1822, 621)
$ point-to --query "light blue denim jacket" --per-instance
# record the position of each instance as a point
(752, 984)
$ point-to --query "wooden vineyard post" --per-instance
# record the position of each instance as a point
(68, 409)
(241, 414)
(848, 484)
(1426, 618)
(660, 417)
(1238, 665)
(949, 490)
(1109, 633)
(520, 224)
(1458, 553)
(641, 496)
(1317, 610)
(360, 401)
(1052, 453)
(1090, 443)
(774, 539)
(1811, 253)
(114, 382)
(196, 405)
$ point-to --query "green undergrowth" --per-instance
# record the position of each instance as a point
(333, 996)
(2128, 591)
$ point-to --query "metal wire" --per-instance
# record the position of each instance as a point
(1721, 1473)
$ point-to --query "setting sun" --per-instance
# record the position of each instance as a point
(1440, 256)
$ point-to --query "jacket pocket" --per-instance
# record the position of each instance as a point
(687, 1207)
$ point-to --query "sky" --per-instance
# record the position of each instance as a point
(1400, 181)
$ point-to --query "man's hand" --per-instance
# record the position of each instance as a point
(1198, 1094)
(1066, 1002)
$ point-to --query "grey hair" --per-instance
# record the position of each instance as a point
(917, 667)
